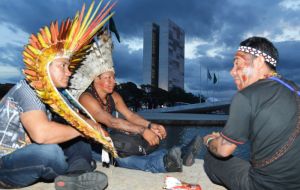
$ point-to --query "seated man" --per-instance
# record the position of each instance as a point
(33, 148)
(265, 112)
(100, 99)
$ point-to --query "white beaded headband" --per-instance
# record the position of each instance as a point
(257, 52)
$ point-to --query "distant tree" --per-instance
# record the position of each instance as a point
(202, 98)
(4, 88)
(161, 96)
(177, 94)
(131, 94)
(153, 97)
(148, 99)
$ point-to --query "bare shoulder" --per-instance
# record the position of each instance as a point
(120, 104)
(116, 97)
(115, 94)
(85, 96)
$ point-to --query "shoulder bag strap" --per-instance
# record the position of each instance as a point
(285, 147)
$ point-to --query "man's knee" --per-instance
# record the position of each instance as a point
(51, 155)
(77, 148)
(209, 168)
(206, 164)
(51, 151)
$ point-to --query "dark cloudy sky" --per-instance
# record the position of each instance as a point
(213, 30)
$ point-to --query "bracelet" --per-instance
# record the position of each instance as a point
(149, 125)
(208, 140)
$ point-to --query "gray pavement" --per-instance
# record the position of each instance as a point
(125, 179)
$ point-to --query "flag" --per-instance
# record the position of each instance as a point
(215, 79)
(208, 75)
(112, 27)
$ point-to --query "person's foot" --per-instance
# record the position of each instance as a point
(173, 161)
(88, 181)
(191, 151)
(93, 165)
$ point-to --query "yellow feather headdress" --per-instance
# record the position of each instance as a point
(72, 40)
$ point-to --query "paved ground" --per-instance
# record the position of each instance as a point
(124, 179)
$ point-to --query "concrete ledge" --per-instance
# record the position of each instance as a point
(180, 119)
(125, 179)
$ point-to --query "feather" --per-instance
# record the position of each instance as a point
(34, 50)
(42, 41)
(25, 54)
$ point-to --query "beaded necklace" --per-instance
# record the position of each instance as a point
(107, 106)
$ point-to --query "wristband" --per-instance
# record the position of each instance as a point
(208, 140)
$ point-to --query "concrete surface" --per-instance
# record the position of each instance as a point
(125, 179)
(179, 119)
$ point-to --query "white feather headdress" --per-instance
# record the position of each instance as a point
(97, 62)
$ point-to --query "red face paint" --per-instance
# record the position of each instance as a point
(241, 63)
(244, 78)
(107, 82)
(101, 85)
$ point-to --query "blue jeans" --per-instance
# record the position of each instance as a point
(78, 154)
(33, 162)
(37, 162)
(151, 163)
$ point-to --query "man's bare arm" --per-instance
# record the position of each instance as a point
(43, 131)
(101, 116)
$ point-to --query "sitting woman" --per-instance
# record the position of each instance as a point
(93, 85)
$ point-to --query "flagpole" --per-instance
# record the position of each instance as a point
(213, 88)
(215, 81)
(200, 82)
(207, 87)
(206, 82)
(218, 80)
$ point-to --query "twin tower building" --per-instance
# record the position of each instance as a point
(163, 55)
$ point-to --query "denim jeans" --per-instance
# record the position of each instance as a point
(33, 162)
(232, 172)
(36, 162)
(151, 163)
(78, 153)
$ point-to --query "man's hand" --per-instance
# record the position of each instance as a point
(219, 146)
(213, 135)
(97, 126)
(159, 130)
(150, 137)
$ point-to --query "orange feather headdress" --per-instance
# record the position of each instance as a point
(72, 40)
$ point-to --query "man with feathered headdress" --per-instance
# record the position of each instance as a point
(135, 138)
(32, 147)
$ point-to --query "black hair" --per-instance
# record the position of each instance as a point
(263, 45)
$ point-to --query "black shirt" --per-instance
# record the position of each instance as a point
(265, 113)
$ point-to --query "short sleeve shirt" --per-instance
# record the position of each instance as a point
(20, 99)
(265, 113)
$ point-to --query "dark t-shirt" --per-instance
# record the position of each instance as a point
(265, 113)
